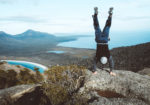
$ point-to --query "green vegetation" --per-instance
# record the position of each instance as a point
(62, 85)
(39, 77)
(8, 79)
(25, 77)
(11, 78)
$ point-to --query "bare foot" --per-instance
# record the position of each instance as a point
(95, 72)
(113, 74)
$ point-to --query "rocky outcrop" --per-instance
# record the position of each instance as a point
(145, 71)
(124, 89)
(10, 95)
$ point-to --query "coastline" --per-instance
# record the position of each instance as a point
(26, 62)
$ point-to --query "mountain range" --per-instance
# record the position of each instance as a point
(30, 40)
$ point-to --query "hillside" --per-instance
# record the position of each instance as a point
(29, 41)
(33, 46)
(133, 58)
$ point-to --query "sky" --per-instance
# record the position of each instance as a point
(72, 16)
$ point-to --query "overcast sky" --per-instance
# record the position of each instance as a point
(72, 16)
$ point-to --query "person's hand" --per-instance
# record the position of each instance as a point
(113, 74)
(96, 10)
(95, 72)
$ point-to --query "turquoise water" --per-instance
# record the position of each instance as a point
(27, 65)
(117, 39)
(57, 52)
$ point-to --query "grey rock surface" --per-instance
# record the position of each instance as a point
(117, 101)
(145, 71)
(126, 88)
(9, 95)
(126, 85)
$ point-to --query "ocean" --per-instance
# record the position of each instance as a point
(117, 39)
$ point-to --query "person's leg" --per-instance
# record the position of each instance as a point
(108, 24)
(95, 19)
(96, 24)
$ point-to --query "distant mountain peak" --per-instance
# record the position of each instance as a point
(30, 30)
(2, 32)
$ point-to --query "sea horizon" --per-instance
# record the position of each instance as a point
(117, 39)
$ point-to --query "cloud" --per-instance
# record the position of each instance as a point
(130, 18)
(34, 2)
(23, 19)
(7, 1)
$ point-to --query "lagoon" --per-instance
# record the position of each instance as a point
(29, 65)
(56, 52)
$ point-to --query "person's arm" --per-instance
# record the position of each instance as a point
(94, 65)
(111, 65)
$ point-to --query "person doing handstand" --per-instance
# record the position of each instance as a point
(102, 38)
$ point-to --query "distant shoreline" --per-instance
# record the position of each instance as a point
(89, 43)
(36, 64)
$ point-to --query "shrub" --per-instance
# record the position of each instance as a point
(8, 78)
(11, 78)
(39, 77)
(25, 77)
(63, 83)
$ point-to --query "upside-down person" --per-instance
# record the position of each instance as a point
(102, 38)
